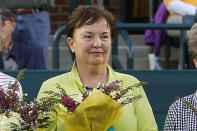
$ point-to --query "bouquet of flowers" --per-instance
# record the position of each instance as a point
(17, 115)
(99, 109)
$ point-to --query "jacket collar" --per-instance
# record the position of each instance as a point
(12, 51)
(75, 76)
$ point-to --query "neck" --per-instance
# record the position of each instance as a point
(91, 75)
(5, 49)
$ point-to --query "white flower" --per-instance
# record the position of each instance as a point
(80, 98)
(6, 122)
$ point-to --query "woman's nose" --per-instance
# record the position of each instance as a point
(97, 42)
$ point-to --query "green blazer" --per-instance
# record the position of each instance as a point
(137, 116)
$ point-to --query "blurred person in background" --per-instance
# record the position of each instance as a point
(181, 7)
(178, 8)
(16, 55)
(169, 11)
(182, 114)
(156, 37)
(33, 23)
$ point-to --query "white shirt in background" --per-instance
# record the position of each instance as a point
(181, 8)
(6, 80)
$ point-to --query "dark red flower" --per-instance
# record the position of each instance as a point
(84, 96)
(69, 103)
(3, 102)
(114, 86)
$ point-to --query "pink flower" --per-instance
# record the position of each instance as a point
(69, 103)
(3, 102)
(84, 96)
(114, 86)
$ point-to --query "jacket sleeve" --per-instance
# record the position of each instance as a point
(144, 113)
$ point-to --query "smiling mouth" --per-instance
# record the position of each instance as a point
(97, 53)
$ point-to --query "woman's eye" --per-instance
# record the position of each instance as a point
(88, 36)
(105, 37)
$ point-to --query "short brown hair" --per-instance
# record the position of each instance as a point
(88, 14)
(192, 43)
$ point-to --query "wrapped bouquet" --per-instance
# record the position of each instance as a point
(98, 110)
(17, 115)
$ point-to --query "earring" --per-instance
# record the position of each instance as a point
(73, 51)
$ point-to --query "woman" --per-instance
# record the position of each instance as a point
(182, 116)
(89, 36)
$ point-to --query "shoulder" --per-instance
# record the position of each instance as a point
(58, 79)
(126, 78)
(179, 104)
(23, 47)
(27, 52)
(180, 101)
(4, 78)
(54, 82)
(189, 98)
(22, 50)
(6, 81)
(19, 45)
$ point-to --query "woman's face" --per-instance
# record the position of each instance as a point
(92, 43)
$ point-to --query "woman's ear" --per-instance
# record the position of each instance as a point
(70, 43)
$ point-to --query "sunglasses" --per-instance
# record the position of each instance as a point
(11, 18)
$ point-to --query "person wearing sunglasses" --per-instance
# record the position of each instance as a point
(15, 55)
